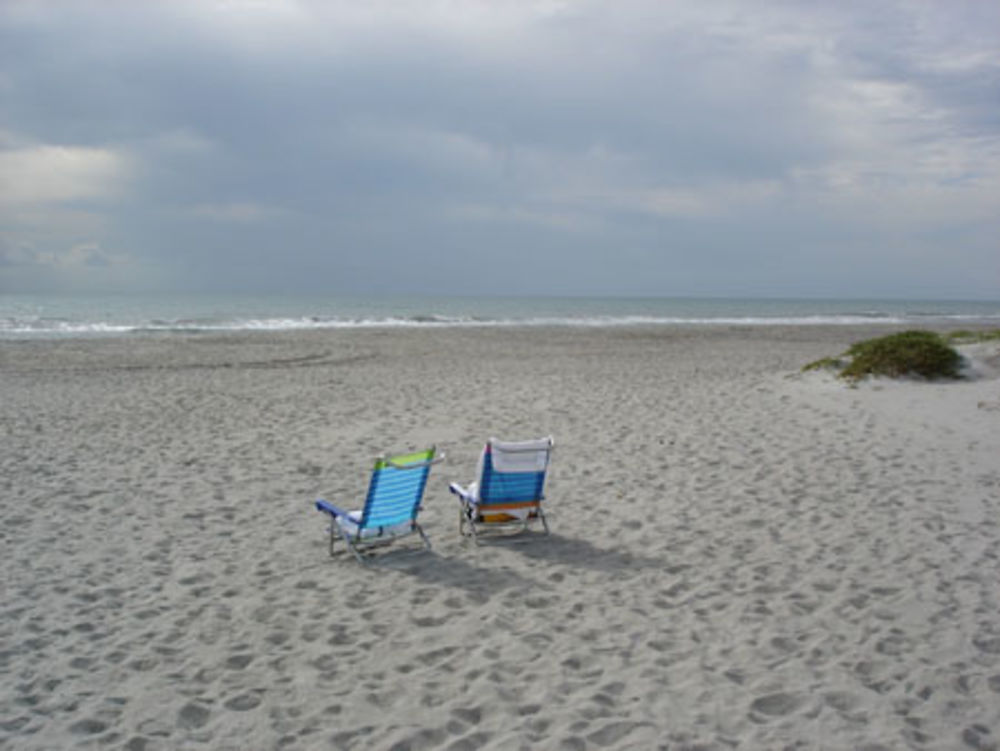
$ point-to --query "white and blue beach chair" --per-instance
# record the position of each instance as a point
(509, 487)
(391, 506)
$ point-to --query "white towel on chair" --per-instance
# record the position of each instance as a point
(521, 456)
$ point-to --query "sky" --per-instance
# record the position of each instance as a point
(637, 147)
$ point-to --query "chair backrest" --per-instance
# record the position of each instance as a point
(396, 488)
(513, 472)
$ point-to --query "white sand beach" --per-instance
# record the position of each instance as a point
(742, 556)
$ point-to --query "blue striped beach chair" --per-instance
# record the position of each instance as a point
(391, 506)
(508, 491)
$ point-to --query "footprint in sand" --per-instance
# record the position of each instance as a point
(239, 661)
(470, 742)
(429, 621)
(242, 703)
(895, 644)
(143, 664)
(193, 716)
(423, 596)
(470, 716)
(89, 726)
(537, 602)
(847, 704)
(614, 732)
(437, 655)
(977, 737)
(424, 738)
(988, 644)
(774, 705)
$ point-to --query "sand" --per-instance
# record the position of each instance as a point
(742, 556)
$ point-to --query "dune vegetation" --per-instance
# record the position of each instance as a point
(972, 337)
(908, 353)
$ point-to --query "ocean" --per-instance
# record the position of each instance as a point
(48, 316)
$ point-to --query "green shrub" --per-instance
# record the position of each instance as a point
(825, 363)
(922, 353)
(972, 337)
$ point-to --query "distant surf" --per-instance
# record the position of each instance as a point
(41, 316)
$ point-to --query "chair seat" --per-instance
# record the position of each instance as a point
(490, 516)
(349, 524)
(502, 512)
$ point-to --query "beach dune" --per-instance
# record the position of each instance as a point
(742, 556)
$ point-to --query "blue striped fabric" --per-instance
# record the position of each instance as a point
(509, 487)
(393, 496)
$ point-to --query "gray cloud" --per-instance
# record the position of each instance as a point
(633, 148)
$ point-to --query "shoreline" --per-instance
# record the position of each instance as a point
(111, 315)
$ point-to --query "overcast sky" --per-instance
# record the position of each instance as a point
(633, 147)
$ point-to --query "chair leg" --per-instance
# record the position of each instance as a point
(335, 531)
(352, 547)
(357, 555)
(545, 524)
(465, 519)
(427, 543)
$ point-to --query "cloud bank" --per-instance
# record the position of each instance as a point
(782, 149)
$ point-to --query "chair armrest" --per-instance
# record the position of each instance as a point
(462, 493)
(329, 508)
